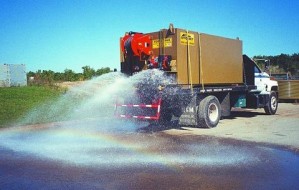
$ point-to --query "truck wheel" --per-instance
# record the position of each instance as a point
(209, 112)
(272, 104)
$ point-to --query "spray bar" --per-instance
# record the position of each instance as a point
(154, 106)
(138, 105)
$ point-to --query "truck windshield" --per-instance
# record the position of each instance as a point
(257, 69)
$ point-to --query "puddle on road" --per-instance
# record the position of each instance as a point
(117, 147)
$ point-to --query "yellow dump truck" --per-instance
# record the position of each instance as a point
(210, 76)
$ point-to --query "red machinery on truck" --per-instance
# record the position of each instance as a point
(209, 75)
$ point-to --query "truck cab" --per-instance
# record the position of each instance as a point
(267, 88)
(263, 81)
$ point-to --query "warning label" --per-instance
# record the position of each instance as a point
(155, 44)
(166, 42)
(187, 38)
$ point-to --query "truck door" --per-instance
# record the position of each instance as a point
(260, 79)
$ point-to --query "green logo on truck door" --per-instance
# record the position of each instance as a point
(184, 38)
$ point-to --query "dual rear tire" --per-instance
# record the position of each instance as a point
(209, 112)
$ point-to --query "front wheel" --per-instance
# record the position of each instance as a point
(272, 105)
(209, 112)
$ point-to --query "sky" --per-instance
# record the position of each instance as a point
(69, 34)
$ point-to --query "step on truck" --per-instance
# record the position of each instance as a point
(210, 75)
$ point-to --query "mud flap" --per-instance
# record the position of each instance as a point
(189, 115)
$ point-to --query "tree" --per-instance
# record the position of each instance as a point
(47, 77)
(58, 76)
(102, 71)
(88, 72)
(284, 62)
(69, 75)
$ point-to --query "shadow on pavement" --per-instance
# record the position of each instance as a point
(155, 127)
(174, 124)
(244, 114)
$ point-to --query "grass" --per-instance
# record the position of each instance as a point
(15, 102)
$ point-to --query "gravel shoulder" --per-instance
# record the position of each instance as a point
(255, 126)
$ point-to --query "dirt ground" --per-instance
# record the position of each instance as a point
(254, 125)
(70, 84)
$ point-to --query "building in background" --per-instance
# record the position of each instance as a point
(13, 75)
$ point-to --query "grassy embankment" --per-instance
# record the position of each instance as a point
(16, 102)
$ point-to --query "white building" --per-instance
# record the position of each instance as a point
(13, 75)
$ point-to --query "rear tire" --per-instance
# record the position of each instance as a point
(272, 104)
(209, 112)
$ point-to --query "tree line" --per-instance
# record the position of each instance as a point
(284, 62)
(50, 77)
(279, 63)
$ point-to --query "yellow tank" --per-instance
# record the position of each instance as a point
(196, 58)
(200, 58)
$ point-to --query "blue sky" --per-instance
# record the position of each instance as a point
(59, 34)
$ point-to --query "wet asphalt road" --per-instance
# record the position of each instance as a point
(69, 156)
